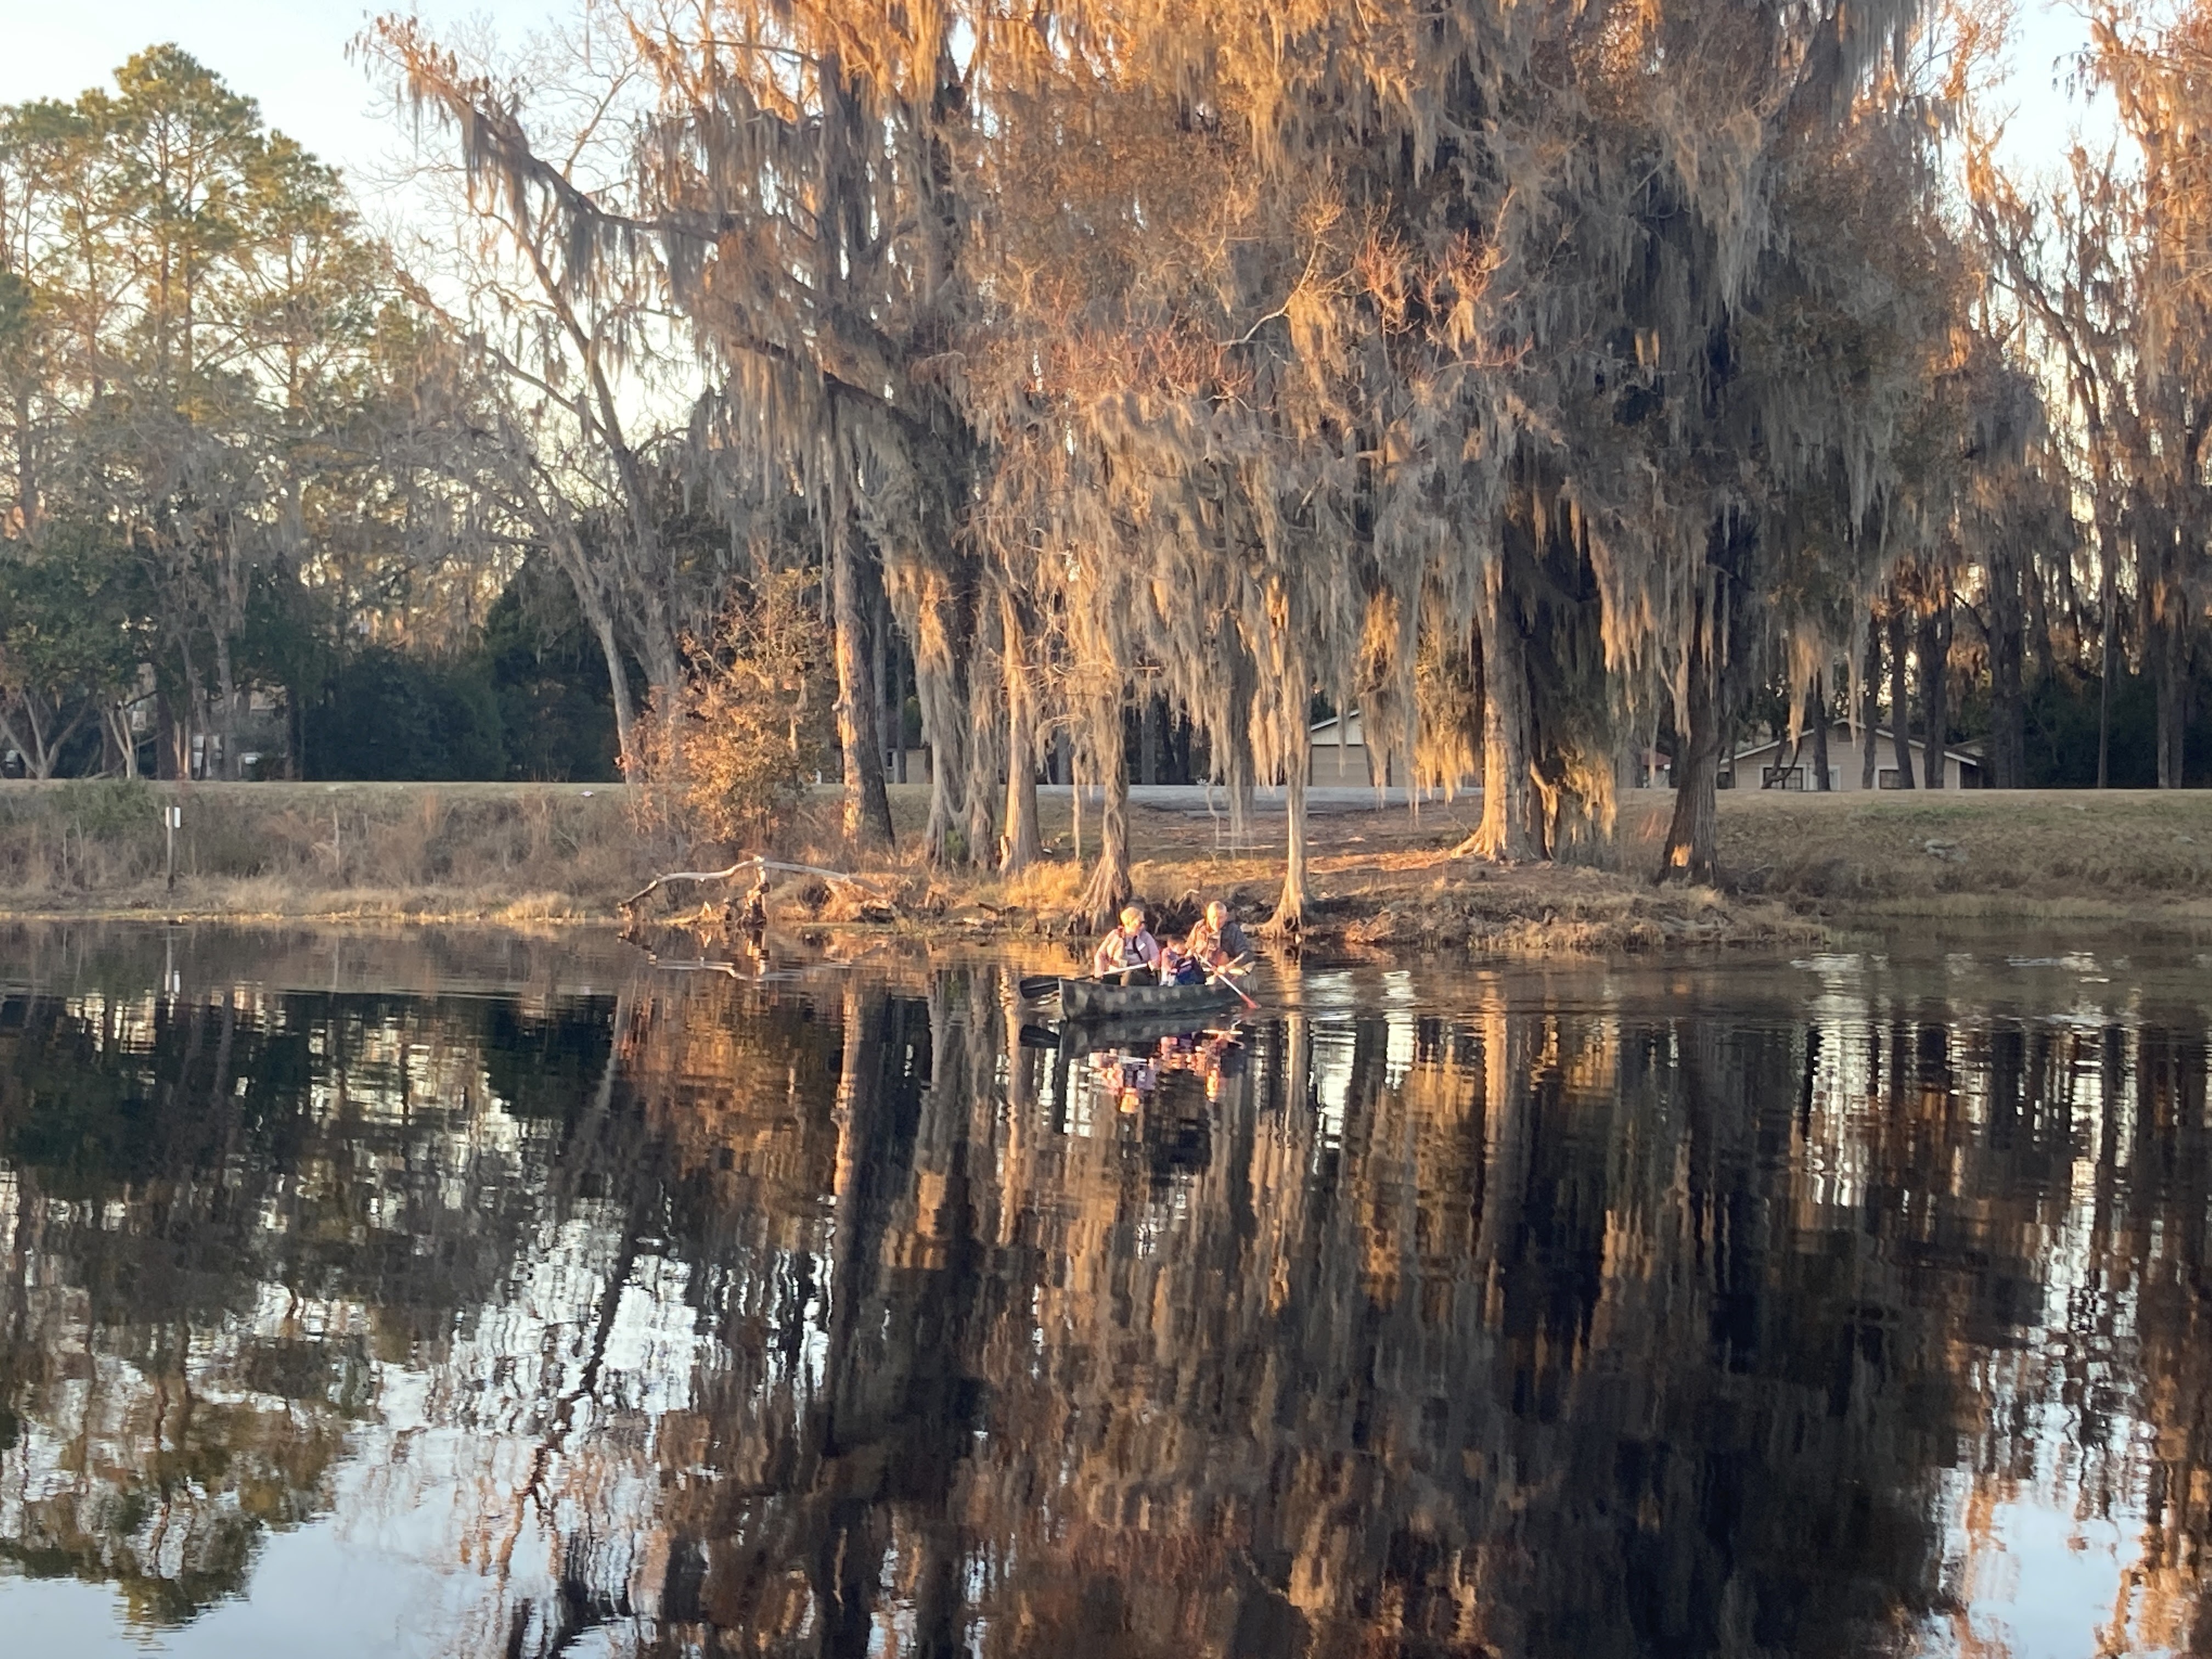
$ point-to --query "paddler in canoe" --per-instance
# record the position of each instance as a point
(1215, 945)
(1129, 947)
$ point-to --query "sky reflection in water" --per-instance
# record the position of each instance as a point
(480, 1296)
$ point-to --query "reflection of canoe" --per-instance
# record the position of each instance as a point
(1094, 1000)
(1085, 1036)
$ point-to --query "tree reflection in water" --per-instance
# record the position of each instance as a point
(713, 1317)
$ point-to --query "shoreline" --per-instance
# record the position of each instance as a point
(1384, 880)
(1536, 911)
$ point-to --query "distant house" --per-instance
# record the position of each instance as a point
(1339, 764)
(1348, 764)
(1775, 766)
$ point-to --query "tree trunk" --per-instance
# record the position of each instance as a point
(986, 736)
(1290, 917)
(2172, 725)
(1785, 759)
(116, 719)
(657, 651)
(1507, 792)
(2036, 602)
(1692, 834)
(16, 740)
(1626, 766)
(890, 721)
(1869, 702)
(602, 629)
(296, 732)
(227, 689)
(1109, 890)
(60, 739)
(2169, 642)
(1935, 686)
(2108, 620)
(867, 805)
(1900, 699)
(195, 706)
(2006, 640)
(1021, 847)
(166, 746)
(40, 754)
(26, 476)
(945, 715)
(1820, 731)
(567, 551)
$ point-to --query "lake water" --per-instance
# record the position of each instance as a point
(447, 1294)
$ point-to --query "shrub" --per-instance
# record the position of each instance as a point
(111, 808)
(730, 759)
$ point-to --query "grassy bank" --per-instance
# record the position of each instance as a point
(1384, 880)
(2028, 852)
(511, 853)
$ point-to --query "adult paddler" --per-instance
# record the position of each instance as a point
(1217, 942)
(1129, 946)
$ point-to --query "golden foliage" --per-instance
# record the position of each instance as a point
(1246, 356)
(727, 760)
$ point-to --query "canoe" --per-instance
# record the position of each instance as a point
(1094, 1000)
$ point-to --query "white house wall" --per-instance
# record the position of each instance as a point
(1844, 764)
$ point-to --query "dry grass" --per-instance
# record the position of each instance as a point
(1042, 887)
(521, 853)
(1977, 853)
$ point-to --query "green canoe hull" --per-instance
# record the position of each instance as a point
(1094, 1000)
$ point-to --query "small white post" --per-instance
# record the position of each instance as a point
(171, 818)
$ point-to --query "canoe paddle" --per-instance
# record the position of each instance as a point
(1039, 985)
(1221, 976)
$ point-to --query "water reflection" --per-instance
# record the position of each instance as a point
(1843, 1306)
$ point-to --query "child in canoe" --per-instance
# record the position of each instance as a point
(1216, 946)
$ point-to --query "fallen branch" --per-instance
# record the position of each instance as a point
(758, 864)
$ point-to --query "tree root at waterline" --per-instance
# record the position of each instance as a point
(759, 865)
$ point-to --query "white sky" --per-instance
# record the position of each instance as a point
(2046, 115)
(290, 55)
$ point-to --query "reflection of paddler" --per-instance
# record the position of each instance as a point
(1127, 1078)
(1209, 1056)
(1206, 1057)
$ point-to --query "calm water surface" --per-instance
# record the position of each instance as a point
(454, 1295)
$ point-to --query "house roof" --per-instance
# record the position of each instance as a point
(1325, 731)
(1970, 751)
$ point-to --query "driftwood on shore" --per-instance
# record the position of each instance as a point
(760, 864)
